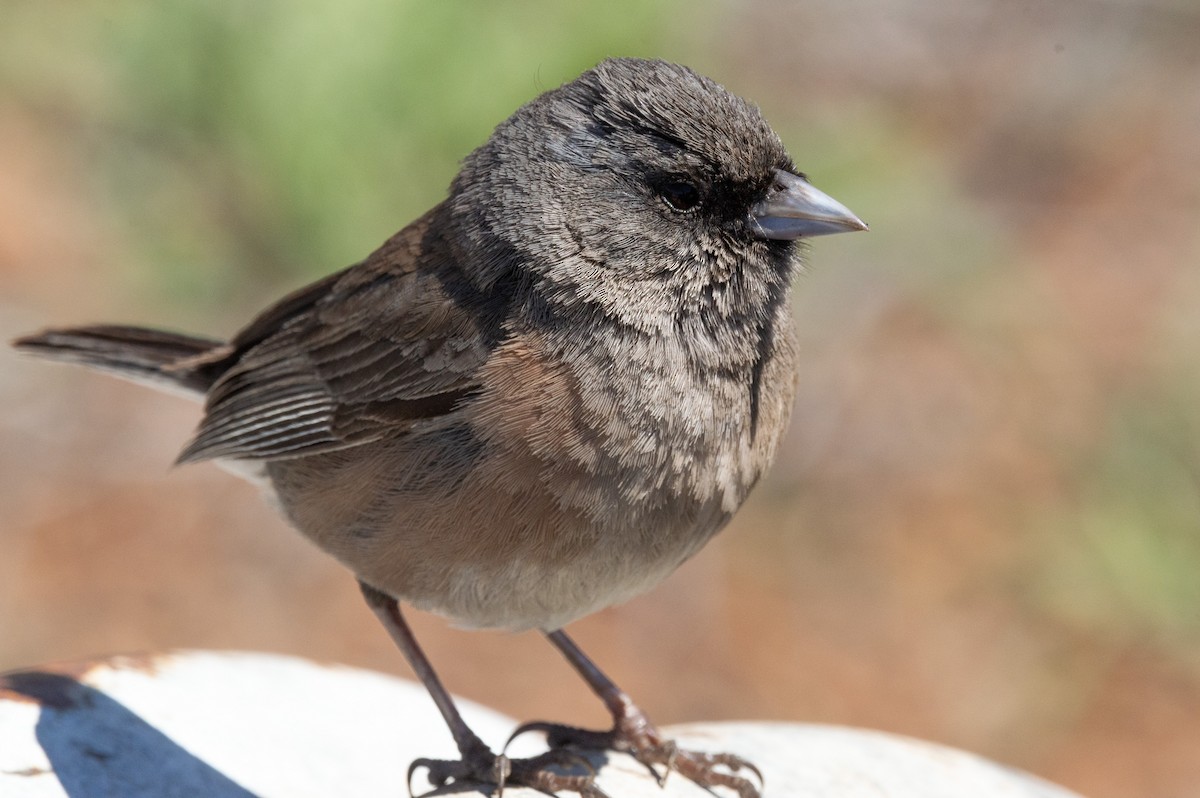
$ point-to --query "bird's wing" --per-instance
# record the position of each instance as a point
(357, 356)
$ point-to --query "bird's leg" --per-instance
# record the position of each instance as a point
(478, 767)
(633, 733)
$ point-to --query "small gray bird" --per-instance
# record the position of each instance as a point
(542, 396)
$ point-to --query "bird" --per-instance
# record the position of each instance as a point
(539, 398)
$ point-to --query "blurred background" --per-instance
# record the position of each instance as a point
(984, 528)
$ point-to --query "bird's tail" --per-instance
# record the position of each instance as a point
(163, 359)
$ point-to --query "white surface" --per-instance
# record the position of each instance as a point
(232, 725)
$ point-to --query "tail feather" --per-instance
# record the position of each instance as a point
(164, 359)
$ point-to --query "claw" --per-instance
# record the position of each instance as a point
(672, 751)
(501, 771)
(701, 768)
(408, 777)
(559, 734)
(412, 768)
(455, 776)
(735, 764)
(645, 744)
(532, 726)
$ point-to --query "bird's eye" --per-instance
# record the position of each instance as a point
(680, 195)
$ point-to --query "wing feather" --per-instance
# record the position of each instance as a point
(355, 357)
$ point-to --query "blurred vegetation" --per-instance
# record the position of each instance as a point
(1121, 556)
(248, 144)
(993, 479)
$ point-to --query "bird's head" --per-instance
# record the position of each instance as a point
(646, 190)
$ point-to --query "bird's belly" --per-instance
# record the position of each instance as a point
(485, 541)
(485, 562)
(522, 591)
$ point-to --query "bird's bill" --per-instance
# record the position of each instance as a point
(794, 209)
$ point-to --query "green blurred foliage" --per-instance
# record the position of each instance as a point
(247, 144)
(1120, 557)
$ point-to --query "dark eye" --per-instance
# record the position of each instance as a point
(679, 194)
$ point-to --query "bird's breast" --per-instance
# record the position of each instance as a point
(621, 426)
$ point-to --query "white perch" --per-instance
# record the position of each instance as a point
(235, 725)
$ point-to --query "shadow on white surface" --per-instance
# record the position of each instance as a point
(236, 725)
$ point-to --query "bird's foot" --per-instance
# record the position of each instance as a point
(634, 734)
(481, 770)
